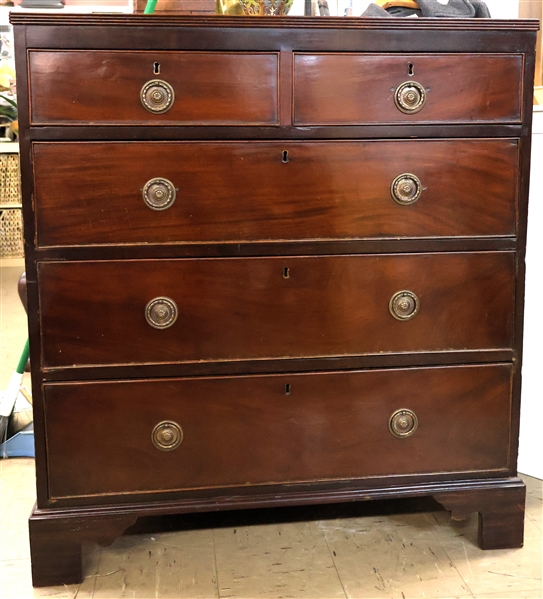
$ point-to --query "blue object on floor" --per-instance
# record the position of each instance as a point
(21, 445)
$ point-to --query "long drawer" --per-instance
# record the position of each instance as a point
(201, 192)
(165, 435)
(151, 311)
(351, 88)
(153, 88)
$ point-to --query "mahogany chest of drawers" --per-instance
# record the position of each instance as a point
(270, 262)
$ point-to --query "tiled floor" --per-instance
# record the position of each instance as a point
(367, 550)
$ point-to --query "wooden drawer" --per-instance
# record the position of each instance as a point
(280, 307)
(350, 89)
(257, 430)
(92, 193)
(103, 87)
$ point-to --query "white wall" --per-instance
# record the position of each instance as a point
(503, 9)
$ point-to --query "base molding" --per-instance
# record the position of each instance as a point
(57, 534)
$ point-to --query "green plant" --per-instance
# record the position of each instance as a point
(8, 112)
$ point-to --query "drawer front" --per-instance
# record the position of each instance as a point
(96, 193)
(285, 307)
(256, 430)
(350, 89)
(105, 87)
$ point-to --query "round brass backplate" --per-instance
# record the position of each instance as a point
(161, 312)
(406, 189)
(159, 194)
(167, 435)
(410, 97)
(403, 423)
(157, 96)
(404, 305)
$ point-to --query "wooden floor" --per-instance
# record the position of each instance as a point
(392, 549)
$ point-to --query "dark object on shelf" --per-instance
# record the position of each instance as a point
(42, 4)
(324, 9)
(285, 285)
(455, 9)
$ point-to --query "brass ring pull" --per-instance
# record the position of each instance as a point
(410, 97)
(161, 312)
(167, 435)
(406, 189)
(404, 305)
(157, 96)
(159, 194)
(403, 423)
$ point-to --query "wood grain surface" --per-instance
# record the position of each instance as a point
(359, 88)
(70, 87)
(250, 431)
(238, 309)
(91, 193)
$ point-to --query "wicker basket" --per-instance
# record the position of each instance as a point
(10, 187)
(11, 234)
(11, 229)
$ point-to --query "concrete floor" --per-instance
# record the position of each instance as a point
(366, 550)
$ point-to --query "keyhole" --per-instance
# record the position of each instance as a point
(286, 272)
(156, 68)
(411, 69)
(287, 389)
(285, 156)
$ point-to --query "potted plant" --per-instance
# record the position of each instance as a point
(8, 93)
(8, 115)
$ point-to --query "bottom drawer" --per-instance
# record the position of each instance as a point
(117, 437)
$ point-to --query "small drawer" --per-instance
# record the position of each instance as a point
(153, 88)
(203, 192)
(357, 89)
(125, 437)
(184, 310)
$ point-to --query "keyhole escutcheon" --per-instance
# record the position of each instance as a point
(285, 156)
(288, 389)
(286, 272)
(156, 68)
(411, 69)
